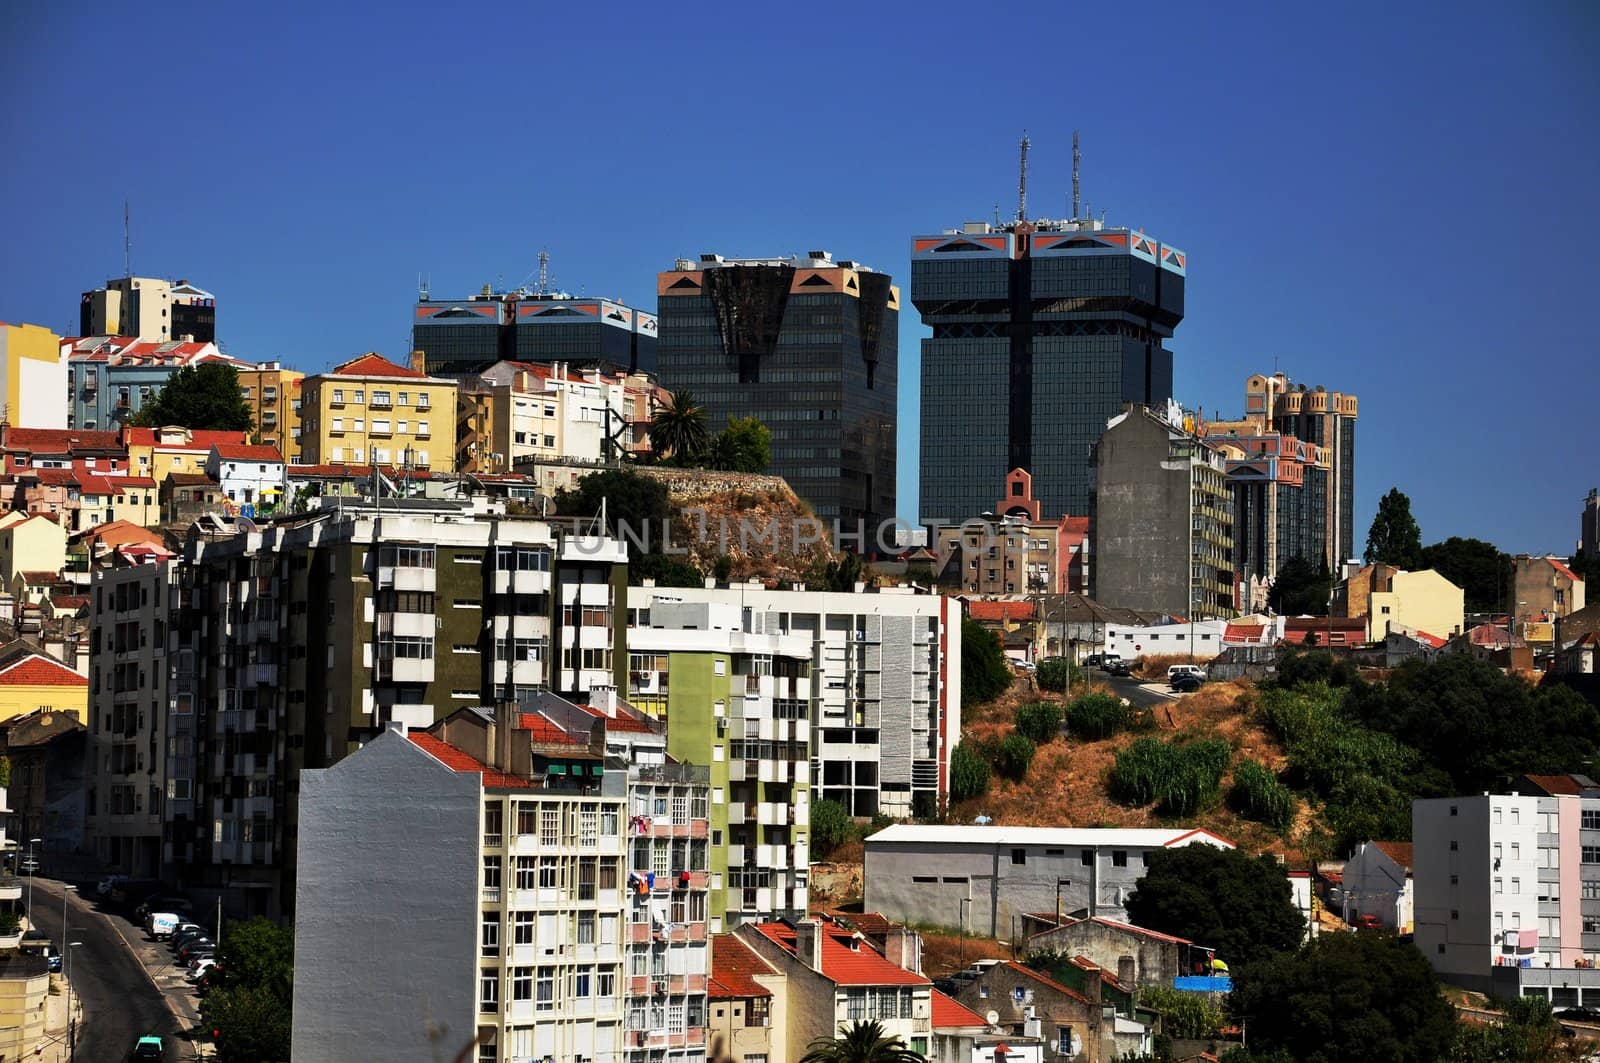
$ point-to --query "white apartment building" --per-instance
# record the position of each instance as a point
(542, 412)
(1504, 880)
(886, 671)
(137, 721)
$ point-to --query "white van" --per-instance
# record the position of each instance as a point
(160, 925)
(1185, 669)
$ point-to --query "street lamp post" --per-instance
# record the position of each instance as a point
(33, 872)
(963, 917)
(72, 1026)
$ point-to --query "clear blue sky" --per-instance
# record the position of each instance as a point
(1391, 199)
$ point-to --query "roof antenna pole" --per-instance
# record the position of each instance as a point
(1076, 159)
(1022, 178)
(544, 272)
(127, 243)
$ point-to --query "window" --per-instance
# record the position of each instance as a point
(1591, 890)
(550, 826)
(1119, 858)
(758, 1012)
(522, 928)
(586, 878)
(491, 878)
(521, 983)
(606, 982)
(1591, 819)
(582, 984)
(1019, 856)
(488, 990)
(546, 998)
(549, 872)
(586, 928)
(1499, 885)
(1086, 857)
(526, 871)
(1516, 886)
(489, 938)
(1591, 854)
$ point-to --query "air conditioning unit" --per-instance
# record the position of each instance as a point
(660, 986)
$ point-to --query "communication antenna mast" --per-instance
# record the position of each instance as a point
(1022, 179)
(544, 272)
(127, 243)
(1076, 159)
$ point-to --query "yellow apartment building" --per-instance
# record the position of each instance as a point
(370, 409)
(33, 377)
(31, 681)
(30, 544)
(273, 395)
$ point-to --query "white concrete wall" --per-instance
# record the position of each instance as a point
(386, 907)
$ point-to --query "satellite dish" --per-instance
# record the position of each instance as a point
(244, 524)
(992, 1018)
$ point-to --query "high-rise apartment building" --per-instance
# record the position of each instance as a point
(470, 335)
(810, 348)
(1042, 330)
(305, 636)
(1161, 521)
(371, 411)
(518, 414)
(149, 308)
(1589, 524)
(885, 676)
(1326, 420)
(562, 912)
(273, 395)
(740, 702)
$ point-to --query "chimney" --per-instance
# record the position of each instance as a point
(505, 722)
(419, 361)
(808, 943)
(902, 947)
(1125, 970)
(603, 699)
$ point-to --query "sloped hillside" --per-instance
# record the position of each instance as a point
(756, 522)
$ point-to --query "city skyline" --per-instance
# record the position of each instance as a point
(1332, 194)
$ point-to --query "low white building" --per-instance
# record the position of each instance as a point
(1203, 639)
(247, 474)
(1377, 881)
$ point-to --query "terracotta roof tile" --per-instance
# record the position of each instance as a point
(733, 965)
(622, 721)
(846, 964)
(1399, 852)
(40, 577)
(458, 760)
(1003, 611)
(37, 670)
(1561, 567)
(247, 452)
(948, 1012)
(544, 729)
(60, 440)
(374, 365)
(1051, 983)
(1555, 785)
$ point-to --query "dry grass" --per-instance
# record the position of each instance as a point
(1155, 666)
(942, 952)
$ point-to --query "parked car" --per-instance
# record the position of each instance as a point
(1185, 683)
(1176, 670)
(199, 956)
(197, 973)
(148, 1047)
(1588, 1015)
(159, 903)
(1117, 666)
(1367, 921)
(194, 946)
(185, 931)
(1107, 660)
(1093, 660)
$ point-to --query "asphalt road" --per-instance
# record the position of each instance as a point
(119, 1003)
(1134, 690)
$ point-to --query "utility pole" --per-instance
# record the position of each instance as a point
(1076, 159)
(1022, 179)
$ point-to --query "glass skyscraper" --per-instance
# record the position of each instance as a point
(470, 335)
(1041, 331)
(809, 347)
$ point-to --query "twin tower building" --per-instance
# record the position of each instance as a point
(1042, 330)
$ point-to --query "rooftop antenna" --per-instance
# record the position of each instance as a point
(1076, 159)
(1022, 178)
(544, 271)
(127, 243)
(997, 215)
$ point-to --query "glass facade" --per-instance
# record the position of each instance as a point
(818, 367)
(472, 335)
(1039, 337)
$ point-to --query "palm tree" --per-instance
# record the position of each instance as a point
(679, 427)
(861, 1042)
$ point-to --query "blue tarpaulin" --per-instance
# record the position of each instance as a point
(1202, 983)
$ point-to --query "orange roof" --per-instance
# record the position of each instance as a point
(1560, 566)
(1399, 852)
(855, 963)
(374, 365)
(200, 439)
(246, 452)
(1051, 983)
(1000, 611)
(54, 477)
(111, 485)
(117, 532)
(39, 577)
(60, 440)
(466, 763)
(37, 670)
(544, 729)
(733, 963)
(949, 1012)
(622, 721)
(1555, 785)
(1076, 525)
(70, 601)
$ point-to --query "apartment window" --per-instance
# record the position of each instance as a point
(1499, 885)
(1516, 850)
(493, 824)
(1591, 819)
(489, 937)
(1591, 924)
(521, 983)
(586, 928)
(605, 985)
(582, 984)
(1516, 886)
(422, 430)
(338, 396)
(609, 822)
(491, 878)
(758, 1012)
(1591, 854)
(381, 398)
(546, 999)
(1591, 890)
(608, 873)
(1119, 858)
(549, 872)
(488, 990)
(527, 872)
(360, 396)
(588, 829)
(587, 873)
(522, 928)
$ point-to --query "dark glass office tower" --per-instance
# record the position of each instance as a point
(1041, 331)
(470, 335)
(809, 347)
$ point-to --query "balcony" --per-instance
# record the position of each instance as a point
(405, 670)
(10, 888)
(407, 578)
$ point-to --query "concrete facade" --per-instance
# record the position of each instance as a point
(370, 409)
(1138, 956)
(389, 841)
(1378, 881)
(273, 395)
(33, 377)
(988, 877)
(150, 308)
(1073, 1025)
(1161, 523)
(1544, 587)
(886, 666)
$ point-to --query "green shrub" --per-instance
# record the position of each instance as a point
(1257, 794)
(1014, 756)
(1096, 716)
(1187, 1015)
(831, 826)
(1056, 675)
(969, 773)
(1040, 721)
(1182, 777)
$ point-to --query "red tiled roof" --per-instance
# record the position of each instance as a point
(1017, 968)
(1556, 785)
(246, 452)
(543, 729)
(948, 1012)
(373, 365)
(1000, 611)
(60, 440)
(70, 601)
(843, 964)
(1433, 640)
(40, 577)
(622, 721)
(55, 477)
(353, 471)
(111, 485)
(733, 965)
(201, 439)
(1560, 566)
(457, 760)
(1399, 852)
(37, 670)
(191, 479)
(1076, 525)
(119, 531)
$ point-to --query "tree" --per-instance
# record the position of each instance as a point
(1302, 587)
(1056, 675)
(969, 773)
(666, 571)
(202, 397)
(1344, 997)
(831, 825)
(985, 675)
(678, 428)
(1529, 1033)
(1039, 722)
(1394, 538)
(744, 446)
(251, 1009)
(1477, 567)
(861, 1042)
(631, 501)
(839, 575)
(1238, 905)
(1014, 756)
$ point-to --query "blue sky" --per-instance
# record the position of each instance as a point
(1394, 200)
